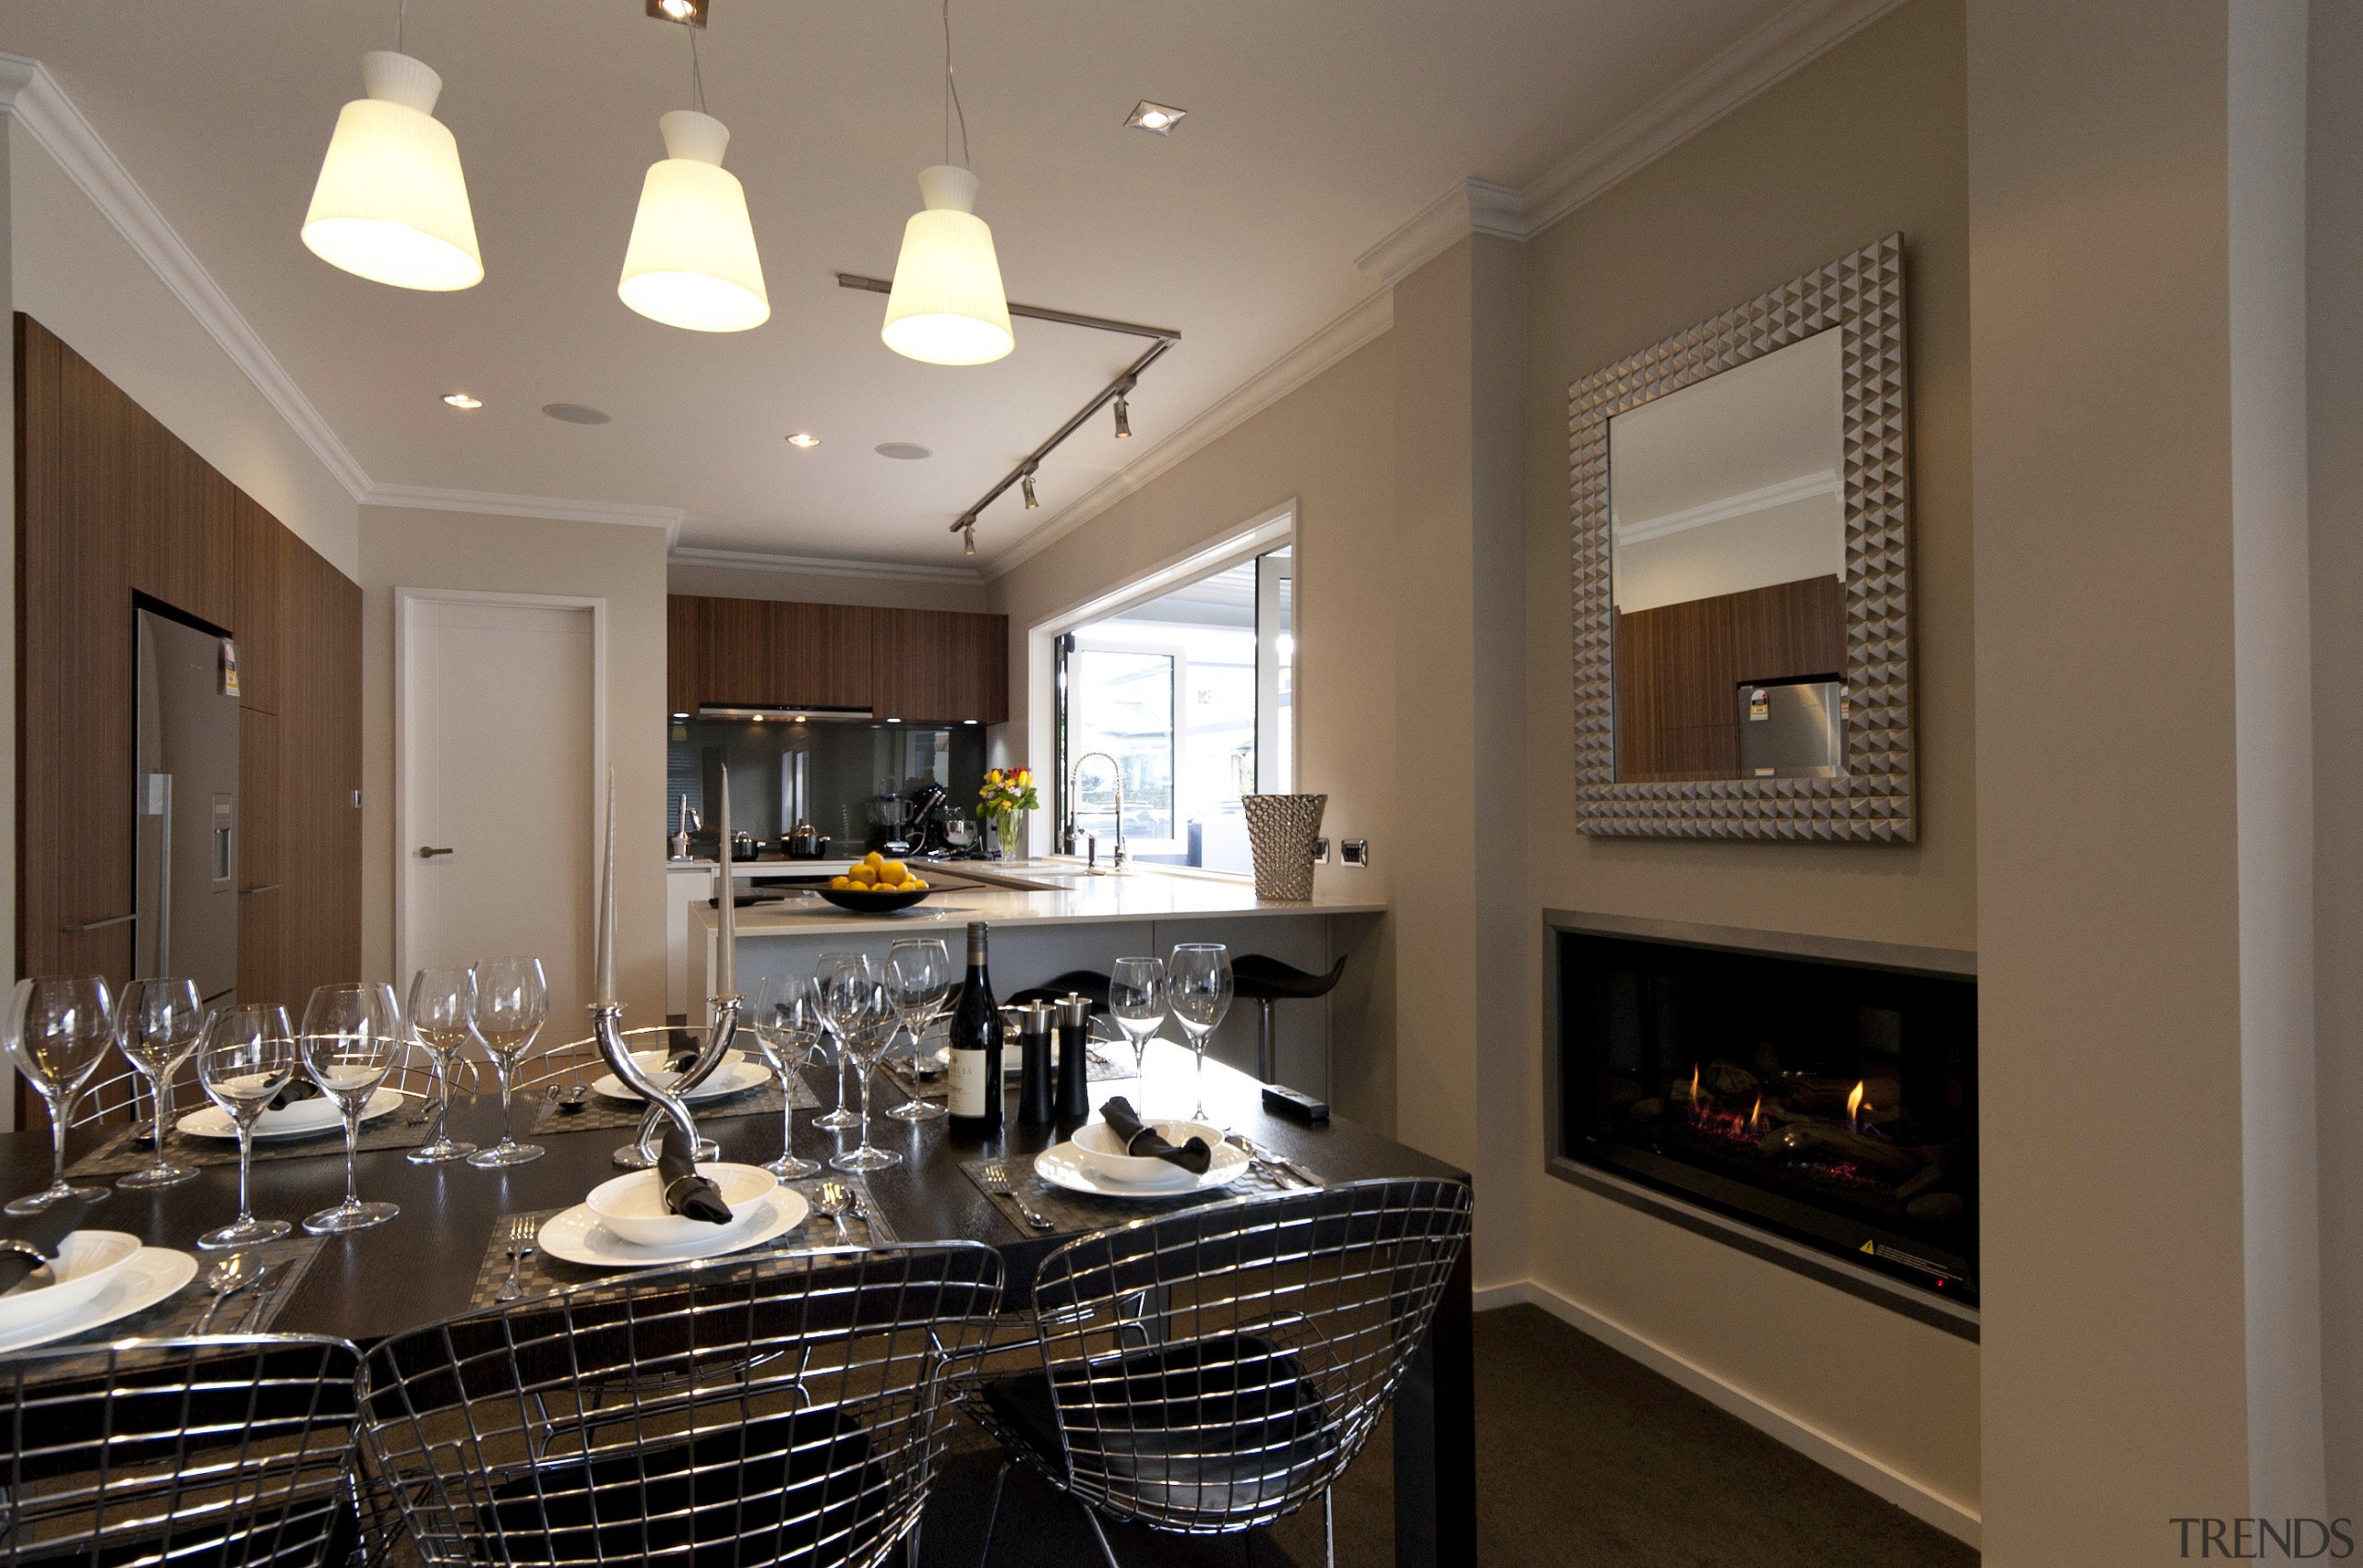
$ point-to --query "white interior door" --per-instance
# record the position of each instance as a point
(498, 722)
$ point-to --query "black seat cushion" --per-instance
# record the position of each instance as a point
(1087, 983)
(784, 1485)
(1219, 1427)
(1257, 977)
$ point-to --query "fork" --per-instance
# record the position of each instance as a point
(995, 1178)
(519, 1242)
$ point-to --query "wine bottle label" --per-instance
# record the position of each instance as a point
(966, 1083)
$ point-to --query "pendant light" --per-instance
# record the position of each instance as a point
(691, 262)
(391, 204)
(947, 306)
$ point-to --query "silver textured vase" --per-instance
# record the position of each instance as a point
(1280, 832)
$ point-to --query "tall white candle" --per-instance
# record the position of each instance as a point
(726, 967)
(604, 977)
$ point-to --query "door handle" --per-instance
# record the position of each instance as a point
(266, 887)
(426, 854)
(101, 925)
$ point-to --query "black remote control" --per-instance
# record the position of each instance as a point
(1294, 1104)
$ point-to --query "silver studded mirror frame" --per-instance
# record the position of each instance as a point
(1862, 296)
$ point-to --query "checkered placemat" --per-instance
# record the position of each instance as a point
(598, 1113)
(539, 1275)
(1072, 1211)
(122, 1153)
(249, 1312)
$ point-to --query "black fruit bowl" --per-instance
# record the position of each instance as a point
(871, 901)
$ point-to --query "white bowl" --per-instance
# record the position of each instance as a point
(1104, 1152)
(633, 1207)
(85, 1264)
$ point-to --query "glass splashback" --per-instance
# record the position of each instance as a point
(830, 774)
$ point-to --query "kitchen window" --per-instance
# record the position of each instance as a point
(1190, 693)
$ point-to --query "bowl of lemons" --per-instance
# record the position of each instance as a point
(875, 885)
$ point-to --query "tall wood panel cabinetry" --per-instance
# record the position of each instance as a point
(918, 665)
(111, 506)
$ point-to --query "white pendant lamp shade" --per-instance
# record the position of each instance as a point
(947, 306)
(691, 261)
(391, 205)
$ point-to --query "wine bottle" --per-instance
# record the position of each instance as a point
(976, 1087)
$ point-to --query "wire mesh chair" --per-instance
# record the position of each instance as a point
(1277, 1328)
(227, 1450)
(579, 1062)
(778, 1409)
(107, 1098)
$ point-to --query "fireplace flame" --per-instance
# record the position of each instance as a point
(1756, 1116)
(1694, 1088)
(1854, 1108)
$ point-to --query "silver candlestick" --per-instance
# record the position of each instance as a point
(720, 1033)
(607, 1027)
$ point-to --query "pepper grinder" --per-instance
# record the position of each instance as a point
(1037, 1088)
(1074, 1057)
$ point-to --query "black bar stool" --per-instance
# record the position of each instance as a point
(1267, 980)
(1083, 982)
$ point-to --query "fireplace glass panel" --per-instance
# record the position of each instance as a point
(1831, 1103)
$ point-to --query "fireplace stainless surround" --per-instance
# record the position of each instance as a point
(1814, 1101)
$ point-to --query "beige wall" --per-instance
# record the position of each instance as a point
(1328, 447)
(624, 565)
(76, 272)
(1865, 141)
(825, 587)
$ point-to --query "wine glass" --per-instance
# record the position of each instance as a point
(244, 1059)
(1198, 988)
(919, 977)
(156, 1026)
(788, 1028)
(350, 1036)
(1136, 999)
(58, 1027)
(442, 1017)
(512, 1001)
(840, 981)
(871, 1028)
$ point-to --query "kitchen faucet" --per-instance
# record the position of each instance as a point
(1075, 771)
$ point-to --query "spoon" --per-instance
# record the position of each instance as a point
(224, 1279)
(832, 1199)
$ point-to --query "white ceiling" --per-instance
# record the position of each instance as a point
(1316, 127)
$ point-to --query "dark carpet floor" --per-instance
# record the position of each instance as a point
(1585, 1459)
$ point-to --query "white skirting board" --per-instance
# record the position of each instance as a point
(1918, 1501)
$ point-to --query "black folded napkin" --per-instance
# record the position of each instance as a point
(298, 1088)
(1147, 1142)
(45, 1232)
(687, 1194)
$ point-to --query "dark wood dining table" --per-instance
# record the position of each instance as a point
(422, 1265)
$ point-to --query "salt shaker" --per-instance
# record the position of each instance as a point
(1037, 1087)
(1074, 1057)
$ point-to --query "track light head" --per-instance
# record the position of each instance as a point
(1032, 505)
(968, 540)
(1123, 420)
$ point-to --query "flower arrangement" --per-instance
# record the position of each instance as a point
(1005, 795)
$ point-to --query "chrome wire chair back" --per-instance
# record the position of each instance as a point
(578, 1061)
(225, 1450)
(786, 1408)
(1212, 1370)
(413, 1074)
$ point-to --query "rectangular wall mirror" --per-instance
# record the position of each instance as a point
(1742, 611)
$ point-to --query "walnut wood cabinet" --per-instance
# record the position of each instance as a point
(920, 665)
(111, 506)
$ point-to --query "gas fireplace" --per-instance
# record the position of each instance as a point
(1831, 1101)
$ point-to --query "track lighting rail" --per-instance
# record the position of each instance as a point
(1115, 391)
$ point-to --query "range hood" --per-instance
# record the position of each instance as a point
(760, 710)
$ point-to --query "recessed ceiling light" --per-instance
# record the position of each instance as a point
(575, 414)
(804, 438)
(1158, 119)
(461, 399)
(906, 450)
(691, 11)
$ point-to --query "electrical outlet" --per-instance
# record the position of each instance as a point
(1355, 851)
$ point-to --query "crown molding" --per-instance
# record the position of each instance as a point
(1473, 207)
(1763, 57)
(821, 566)
(31, 94)
(1358, 326)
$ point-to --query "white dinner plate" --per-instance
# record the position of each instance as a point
(154, 1274)
(86, 1260)
(305, 1118)
(576, 1236)
(735, 1076)
(1061, 1166)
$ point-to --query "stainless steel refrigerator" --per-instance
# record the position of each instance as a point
(187, 811)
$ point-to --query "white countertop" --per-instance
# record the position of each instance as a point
(1141, 893)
